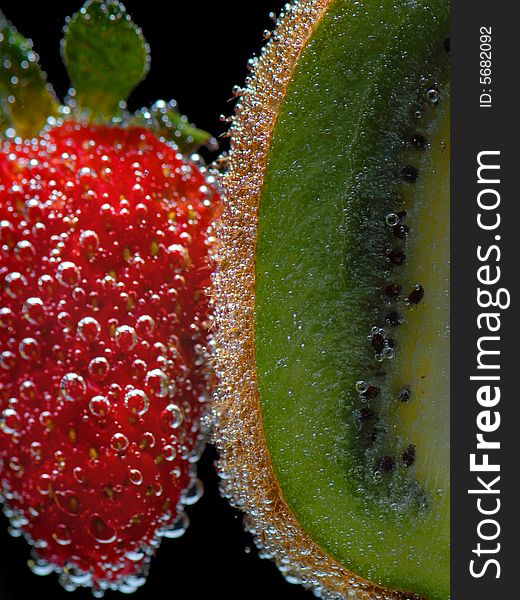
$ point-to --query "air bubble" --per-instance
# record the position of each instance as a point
(7, 231)
(33, 310)
(119, 442)
(389, 353)
(89, 241)
(173, 416)
(157, 382)
(178, 527)
(125, 337)
(7, 360)
(86, 176)
(73, 387)
(136, 401)
(135, 476)
(6, 318)
(29, 349)
(64, 319)
(10, 421)
(432, 96)
(61, 535)
(147, 441)
(99, 367)
(170, 453)
(99, 406)
(79, 294)
(179, 257)
(139, 368)
(33, 209)
(46, 285)
(79, 475)
(41, 567)
(44, 484)
(15, 464)
(361, 387)
(194, 492)
(36, 450)
(101, 531)
(67, 274)
(145, 326)
(135, 555)
(89, 329)
(197, 451)
(392, 219)
(24, 251)
(14, 284)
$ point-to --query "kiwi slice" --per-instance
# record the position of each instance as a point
(332, 349)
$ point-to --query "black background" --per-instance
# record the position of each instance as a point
(199, 52)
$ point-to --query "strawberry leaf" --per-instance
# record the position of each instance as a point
(26, 99)
(105, 54)
(165, 120)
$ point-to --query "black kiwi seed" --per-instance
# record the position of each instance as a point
(378, 342)
(371, 392)
(447, 44)
(404, 394)
(396, 257)
(392, 290)
(393, 318)
(408, 456)
(416, 295)
(419, 142)
(364, 414)
(409, 174)
(386, 464)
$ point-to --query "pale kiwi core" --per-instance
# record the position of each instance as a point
(423, 338)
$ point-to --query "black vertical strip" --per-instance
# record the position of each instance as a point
(485, 122)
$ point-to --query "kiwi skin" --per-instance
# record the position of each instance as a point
(248, 477)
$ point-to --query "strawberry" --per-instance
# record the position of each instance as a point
(104, 320)
(103, 335)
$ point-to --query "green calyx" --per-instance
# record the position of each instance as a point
(165, 120)
(106, 56)
(26, 99)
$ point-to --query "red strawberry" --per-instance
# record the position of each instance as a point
(104, 237)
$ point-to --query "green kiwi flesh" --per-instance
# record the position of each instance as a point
(351, 292)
